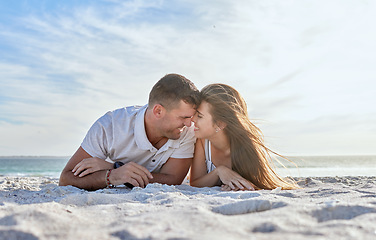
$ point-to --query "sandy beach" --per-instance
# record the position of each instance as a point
(324, 208)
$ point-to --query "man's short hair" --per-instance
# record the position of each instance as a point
(172, 88)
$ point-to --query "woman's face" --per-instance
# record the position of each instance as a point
(204, 126)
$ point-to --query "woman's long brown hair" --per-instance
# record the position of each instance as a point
(249, 155)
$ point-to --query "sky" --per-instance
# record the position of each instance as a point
(305, 68)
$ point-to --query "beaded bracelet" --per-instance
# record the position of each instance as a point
(108, 183)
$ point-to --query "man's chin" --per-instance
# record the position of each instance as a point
(174, 138)
(174, 135)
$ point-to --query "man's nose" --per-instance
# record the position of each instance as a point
(188, 122)
(194, 118)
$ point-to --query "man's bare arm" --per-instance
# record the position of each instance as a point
(173, 171)
(92, 181)
(131, 172)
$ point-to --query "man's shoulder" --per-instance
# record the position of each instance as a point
(129, 110)
(120, 115)
(125, 111)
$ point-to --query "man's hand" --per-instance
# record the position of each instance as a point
(90, 165)
(132, 173)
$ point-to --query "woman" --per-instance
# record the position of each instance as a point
(230, 150)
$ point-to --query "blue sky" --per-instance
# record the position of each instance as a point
(305, 68)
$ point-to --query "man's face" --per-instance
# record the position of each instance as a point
(175, 120)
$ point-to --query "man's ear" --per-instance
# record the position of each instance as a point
(159, 111)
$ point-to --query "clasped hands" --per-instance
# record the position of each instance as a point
(131, 172)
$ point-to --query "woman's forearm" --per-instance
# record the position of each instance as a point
(208, 180)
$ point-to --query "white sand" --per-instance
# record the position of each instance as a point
(325, 208)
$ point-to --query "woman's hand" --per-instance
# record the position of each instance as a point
(228, 188)
(225, 187)
(232, 180)
(90, 165)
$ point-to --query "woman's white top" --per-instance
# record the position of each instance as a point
(209, 164)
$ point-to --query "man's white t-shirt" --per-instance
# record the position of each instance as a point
(120, 135)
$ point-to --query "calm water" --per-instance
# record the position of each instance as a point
(307, 166)
(331, 166)
(32, 166)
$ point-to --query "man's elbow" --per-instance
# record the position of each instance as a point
(177, 180)
(193, 183)
(167, 179)
(64, 179)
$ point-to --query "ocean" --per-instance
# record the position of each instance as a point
(308, 166)
(32, 166)
(328, 166)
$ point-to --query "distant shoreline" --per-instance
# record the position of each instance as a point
(287, 156)
(33, 156)
(308, 166)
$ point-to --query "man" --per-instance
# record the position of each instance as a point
(153, 143)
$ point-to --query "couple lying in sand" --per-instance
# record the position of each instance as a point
(157, 142)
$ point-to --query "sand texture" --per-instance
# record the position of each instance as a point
(324, 208)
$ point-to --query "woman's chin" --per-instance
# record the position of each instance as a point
(200, 135)
(197, 135)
